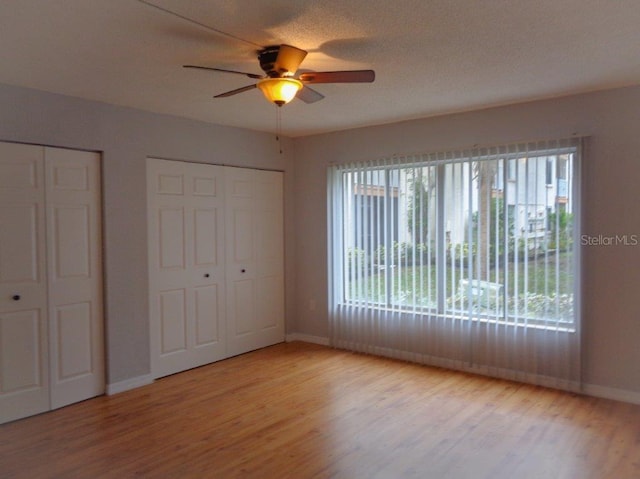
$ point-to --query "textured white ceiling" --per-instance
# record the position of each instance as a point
(430, 56)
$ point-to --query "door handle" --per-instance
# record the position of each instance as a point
(16, 297)
(206, 275)
(243, 270)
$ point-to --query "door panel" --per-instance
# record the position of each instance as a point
(24, 335)
(23, 376)
(240, 265)
(186, 237)
(170, 184)
(241, 182)
(206, 314)
(255, 259)
(20, 167)
(171, 236)
(21, 363)
(173, 320)
(270, 257)
(205, 230)
(74, 340)
(19, 242)
(74, 265)
(205, 186)
(270, 301)
(243, 306)
(71, 256)
(242, 225)
(70, 177)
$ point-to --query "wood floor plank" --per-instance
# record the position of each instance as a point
(305, 411)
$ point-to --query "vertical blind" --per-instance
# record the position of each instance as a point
(465, 259)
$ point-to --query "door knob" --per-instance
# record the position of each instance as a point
(243, 270)
(206, 275)
(16, 297)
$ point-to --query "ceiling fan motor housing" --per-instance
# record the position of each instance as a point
(267, 57)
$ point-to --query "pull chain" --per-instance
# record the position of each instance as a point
(279, 128)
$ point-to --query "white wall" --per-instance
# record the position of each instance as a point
(612, 172)
(126, 137)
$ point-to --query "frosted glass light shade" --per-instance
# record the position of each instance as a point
(279, 90)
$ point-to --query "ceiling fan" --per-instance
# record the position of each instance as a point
(279, 83)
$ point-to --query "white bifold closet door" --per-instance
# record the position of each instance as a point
(51, 322)
(216, 276)
(186, 265)
(254, 259)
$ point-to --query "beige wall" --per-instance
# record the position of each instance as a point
(126, 137)
(611, 206)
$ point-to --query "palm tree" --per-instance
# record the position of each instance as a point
(421, 187)
(485, 173)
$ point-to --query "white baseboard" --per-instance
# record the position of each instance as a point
(127, 384)
(612, 393)
(307, 338)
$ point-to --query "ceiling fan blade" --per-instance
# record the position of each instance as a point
(309, 95)
(347, 76)
(235, 92)
(289, 59)
(250, 75)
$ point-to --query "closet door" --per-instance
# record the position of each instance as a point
(186, 265)
(74, 273)
(254, 259)
(51, 323)
(24, 378)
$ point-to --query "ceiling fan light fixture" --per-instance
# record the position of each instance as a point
(279, 90)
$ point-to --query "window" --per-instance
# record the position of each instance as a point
(479, 236)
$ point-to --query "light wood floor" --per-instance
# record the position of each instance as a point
(299, 410)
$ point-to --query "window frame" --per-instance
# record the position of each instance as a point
(338, 297)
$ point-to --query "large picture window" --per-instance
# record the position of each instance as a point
(480, 236)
